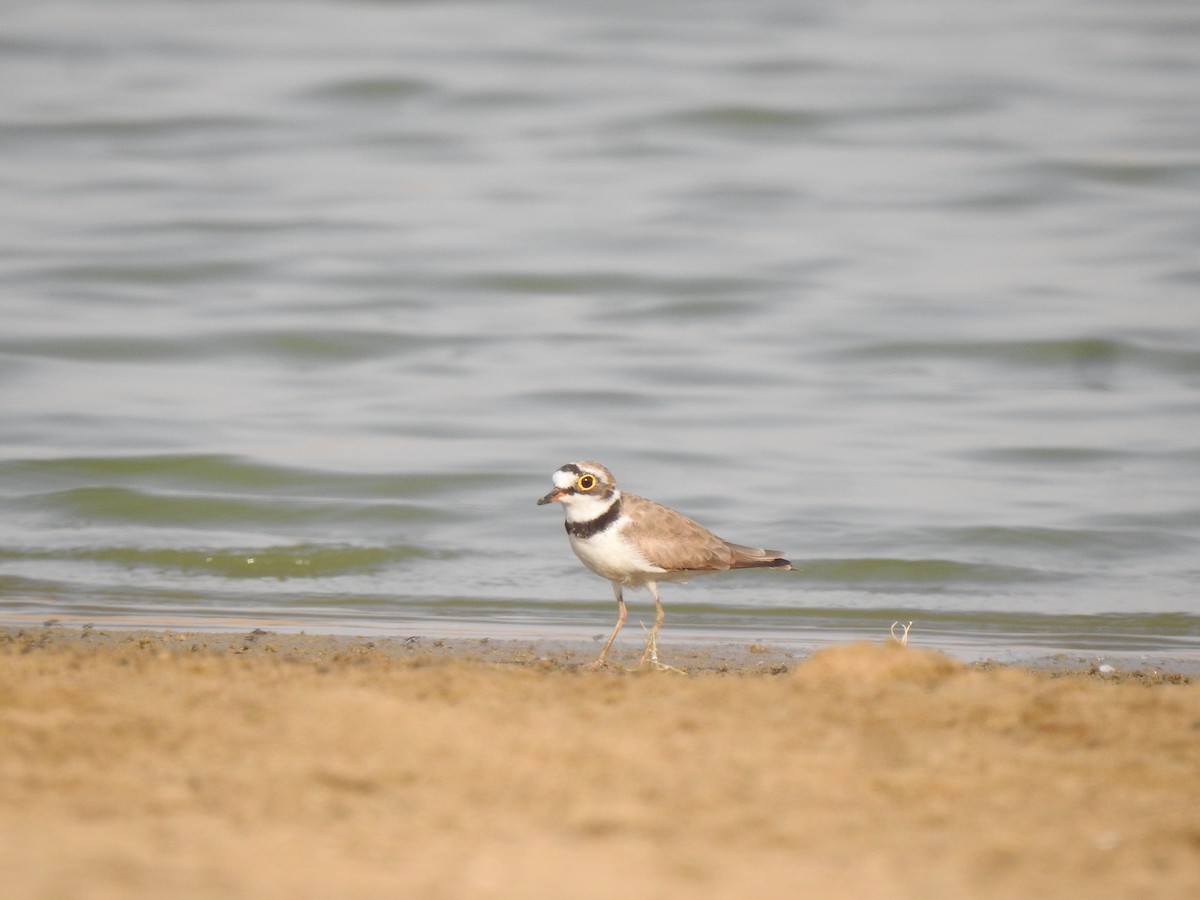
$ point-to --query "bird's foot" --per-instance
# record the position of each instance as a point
(657, 666)
(649, 658)
(650, 653)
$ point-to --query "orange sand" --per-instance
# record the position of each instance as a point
(165, 765)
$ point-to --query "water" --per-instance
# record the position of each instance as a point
(304, 302)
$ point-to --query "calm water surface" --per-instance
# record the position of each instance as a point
(303, 302)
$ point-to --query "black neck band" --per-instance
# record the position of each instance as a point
(596, 525)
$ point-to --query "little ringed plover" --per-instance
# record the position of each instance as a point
(631, 541)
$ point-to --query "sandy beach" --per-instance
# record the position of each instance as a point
(154, 764)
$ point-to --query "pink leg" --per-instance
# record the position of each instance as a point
(651, 651)
(599, 660)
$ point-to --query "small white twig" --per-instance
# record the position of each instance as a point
(902, 638)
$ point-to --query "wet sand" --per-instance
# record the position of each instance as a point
(151, 764)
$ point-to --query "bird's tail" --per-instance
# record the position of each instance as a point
(757, 558)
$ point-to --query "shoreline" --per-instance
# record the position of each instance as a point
(743, 658)
(684, 648)
(256, 764)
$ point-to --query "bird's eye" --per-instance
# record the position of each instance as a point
(586, 482)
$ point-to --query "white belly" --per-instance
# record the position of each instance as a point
(610, 556)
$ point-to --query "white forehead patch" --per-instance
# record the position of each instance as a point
(564, 479)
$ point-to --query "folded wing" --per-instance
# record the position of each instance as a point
(672, 541)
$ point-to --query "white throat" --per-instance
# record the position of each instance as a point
(585, 508)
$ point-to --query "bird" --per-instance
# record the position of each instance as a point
(635, 542)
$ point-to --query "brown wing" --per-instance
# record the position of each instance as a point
(672, 541)
(756, 557)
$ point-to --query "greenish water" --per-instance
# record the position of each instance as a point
(302, 304)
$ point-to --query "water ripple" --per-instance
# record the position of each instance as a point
(1074, 353)
(903, 574)
(216, 474)
(312, 561)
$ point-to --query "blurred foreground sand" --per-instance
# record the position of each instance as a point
(154, 764)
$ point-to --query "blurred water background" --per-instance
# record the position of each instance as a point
(303, 302)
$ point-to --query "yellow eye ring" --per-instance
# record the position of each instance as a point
(585, 482)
